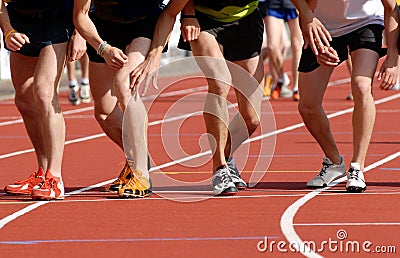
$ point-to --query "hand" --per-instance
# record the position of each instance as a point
(388, 74)
(114, 57)
(190, 29)
(147, 71)
(315, 34)
(15, 40)
(76, 47)
(329, 57)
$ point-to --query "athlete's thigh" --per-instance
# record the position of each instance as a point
(22, 70)
(312, 85)
(210, 58)
(246, 82)
(364, 62)
(50, 66)
(101, 79)
(274, 28)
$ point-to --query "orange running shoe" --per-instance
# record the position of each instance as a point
(24, 187)
(296, 95)
(137, 186)
(276, 92)
(51, 189)
(126, 174)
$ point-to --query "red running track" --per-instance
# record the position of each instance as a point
(185, 221)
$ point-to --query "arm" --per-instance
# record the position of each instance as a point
(190, 28)
(161, 35)
(314, 32)
(13, 39)
(388, 72)
(114, 57)
(76, 47)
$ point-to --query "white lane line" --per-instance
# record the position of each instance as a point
(287, 218)
(349, 224)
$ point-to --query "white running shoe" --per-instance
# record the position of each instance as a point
(85, 93)
(329, 172)
(73, 96)
(355, 179)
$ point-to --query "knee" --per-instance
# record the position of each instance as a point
(252, 123)
(106, 119)
(361, 91)
(43, 94)
(218, 88)
(308, 112)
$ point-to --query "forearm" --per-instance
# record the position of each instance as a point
(165, 26)
(5, 23)
(189, 8)
(305, 8)
(84, 24)
(391, 29)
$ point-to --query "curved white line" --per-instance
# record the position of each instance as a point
(288, 216)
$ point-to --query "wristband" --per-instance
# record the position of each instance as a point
(8, 35)
(184, 16)
(101, 48)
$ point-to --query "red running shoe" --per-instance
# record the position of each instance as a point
(51, 189)
(24, 187)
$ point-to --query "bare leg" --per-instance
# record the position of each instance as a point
(364, 63)
(106, 108)
(249, 96)
(46, 82)
(136, 130)
(275, 27)
(312, 88)
(22, 70)
(216, 110)
(296, 40)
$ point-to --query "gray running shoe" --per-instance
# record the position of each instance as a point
(329, 172)
(235, 175)
(222, 182)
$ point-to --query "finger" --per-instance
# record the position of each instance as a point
(134, 79)
(194, 32)
(146, 83)
(312, 44)
(25, 38)
(326, 37)
(15, 43)
(154, 81)
(184, 36)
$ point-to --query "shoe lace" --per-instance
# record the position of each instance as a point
(48, 183)
(225, 178)
(325, 166)
(353, 173)
(73, 94)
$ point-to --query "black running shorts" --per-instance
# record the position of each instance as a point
(42, 31)
(240, 40)
(120, 35)
(369, 37)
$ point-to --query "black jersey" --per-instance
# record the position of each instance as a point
(126, 11)
(40, 8)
